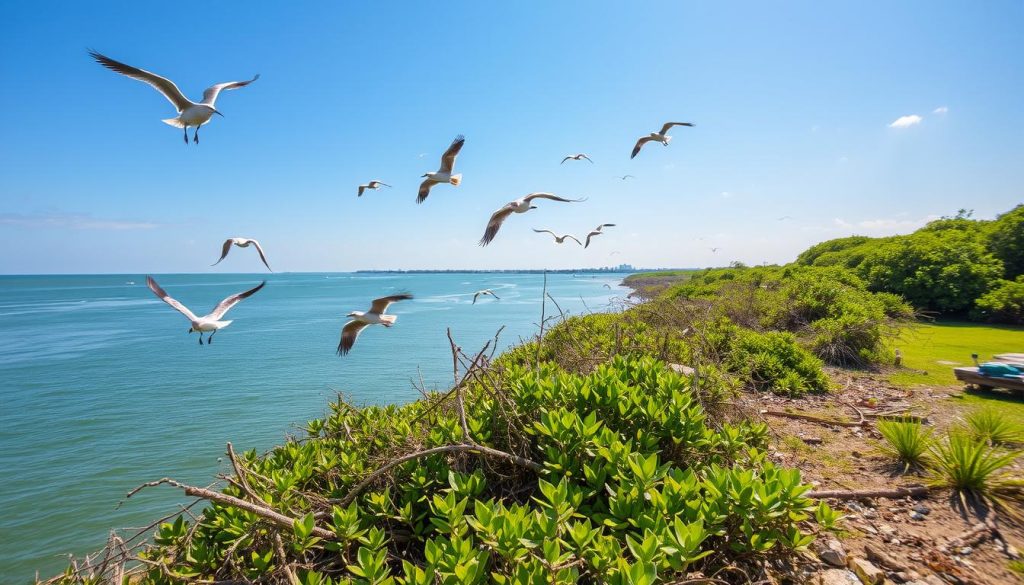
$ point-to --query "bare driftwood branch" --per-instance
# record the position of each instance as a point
(464, 448)
(207, 494)
(812, 418)
(911, 491)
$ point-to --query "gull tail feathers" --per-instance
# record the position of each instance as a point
(456, 179)
(667, 140)
(173, 122)
(389, 319)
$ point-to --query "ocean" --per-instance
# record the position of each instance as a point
(101, 389)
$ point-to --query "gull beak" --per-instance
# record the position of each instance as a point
(533, 207)
(218, 113)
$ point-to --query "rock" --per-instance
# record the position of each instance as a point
(915, 515)
(900, 577)
(837, 577)
(866, 571)
(870, 513)
(681, 369)
(966, 550)
(886, 529)
(922, 509)
(833, 553)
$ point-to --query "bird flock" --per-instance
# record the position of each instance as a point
(197, 114)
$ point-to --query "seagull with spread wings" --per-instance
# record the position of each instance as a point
(361, 320)
(661, 137)
(190, 113)
(374, 184)
(242, 243)
(210, 323)
(521, 205)
(597, 232)
(443, 174)
(624, 177)
(577, 156)
(486, 291)
(558, 239)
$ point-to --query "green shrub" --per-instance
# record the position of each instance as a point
(634, 487)
(973, 468)
(994, 427)
(1006, 240)
(1003, 304)
(775, 361)
(906, 441)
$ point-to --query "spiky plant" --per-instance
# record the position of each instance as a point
(906, 440)
(994, 427)
(976, 469)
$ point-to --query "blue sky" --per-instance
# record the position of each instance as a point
(793, 104)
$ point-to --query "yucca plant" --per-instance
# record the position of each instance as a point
(994, 427)
(974, 468)
(907, 441)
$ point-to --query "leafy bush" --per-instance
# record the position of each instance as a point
(1003, 304)
(994, 427)
(774, 361)
(1006, 240)
(633, 487)
(906, 441)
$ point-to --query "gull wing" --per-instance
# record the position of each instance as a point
(668, 125)
(448, 158)
(552, 197)
(380, 305)
(475, 295)
(590, 235)
(361, 189)
(573, 238)
(494, 224)
(349, 333)
(224, 251)
(425, 189)
(161, 84)
(640, 144)
(587, 157)
(211, 93)
(565, 159)
(263, 257)
(545, 232)
(163, 296)
(225, 305)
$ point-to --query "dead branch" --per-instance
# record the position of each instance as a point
(543, 307)
(261, 511)
(911, 491)
(463, 448)
(812, 418)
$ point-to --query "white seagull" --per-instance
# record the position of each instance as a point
(661, 137)
(596, 232)
(209, 323)
(558, 239)
(577, 156)
(190, 113)
(444, 174)
(624, 177)
(361, 320)
(242, 243)
(521, 205)
(374, 184)
(486, 291)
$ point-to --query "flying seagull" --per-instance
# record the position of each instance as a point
(596, 232)
(190, 113)
(361, 320)
(521, 205)
(209, 323)
(577, 156)
(713, 250)
(486, 291)
(785, 217)
(558, 239)
(242, 243)
(444, 174)
(661, 137)
(624, 177)
(374, 184)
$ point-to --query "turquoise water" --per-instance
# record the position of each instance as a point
(101, 389)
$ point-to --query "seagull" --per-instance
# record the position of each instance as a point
(242, 243)
(614, 253)
(190, 113)
(444, 174)
(597, 231)
(577, 156)
(486, 291)
(209, 323)
(374, 184)
(521, 205)
(713, 250)
(559, 239)
(661, 137)
(608, 286)
(624, 177)
(361, 320)
(785, 217)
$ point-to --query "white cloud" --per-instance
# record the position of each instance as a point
(75, 221)
(940, 110)
(883, 225)
(906, 121)
(726, 195)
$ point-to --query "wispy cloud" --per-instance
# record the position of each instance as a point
(726, 194)
(940, 110)
(906, 121)
(74, 221)
(884, 225)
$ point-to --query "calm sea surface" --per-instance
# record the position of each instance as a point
(101, 389)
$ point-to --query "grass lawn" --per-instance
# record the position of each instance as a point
(937, 348)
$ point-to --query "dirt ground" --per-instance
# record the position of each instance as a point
(915, 534)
